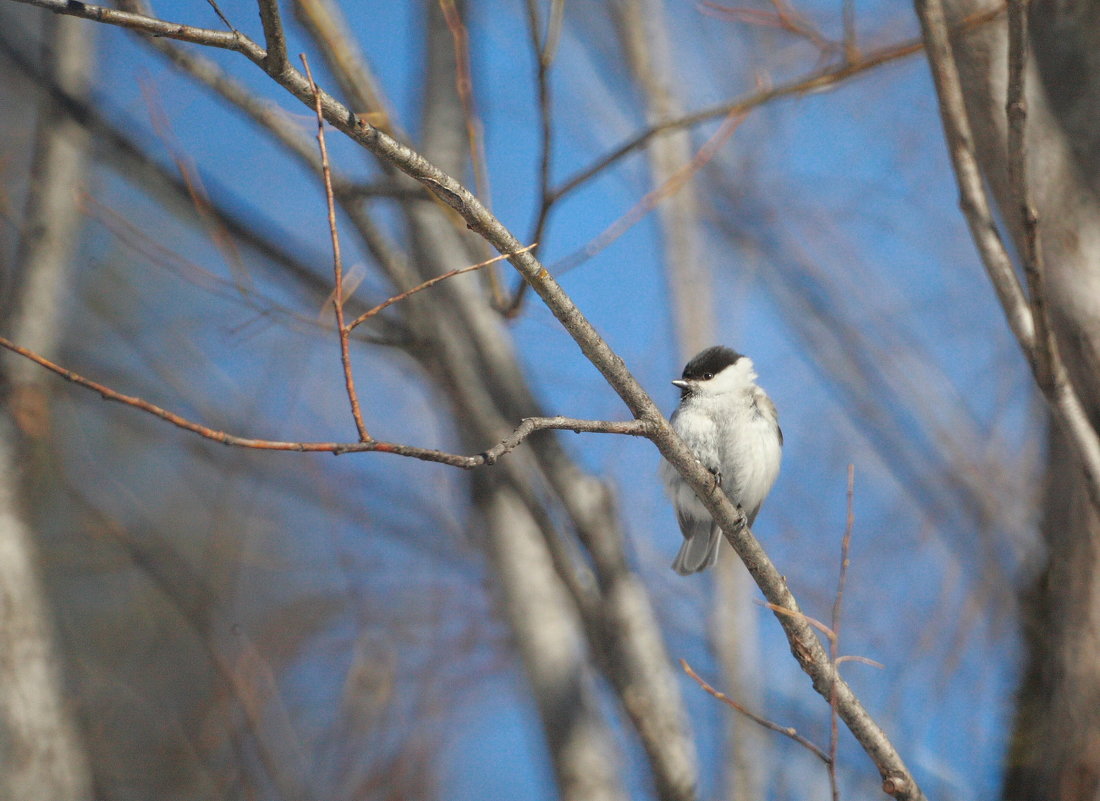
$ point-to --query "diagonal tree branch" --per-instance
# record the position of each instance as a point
(805, 645)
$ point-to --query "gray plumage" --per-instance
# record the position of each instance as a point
(732, 427)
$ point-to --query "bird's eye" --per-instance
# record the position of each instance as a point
(708, 376)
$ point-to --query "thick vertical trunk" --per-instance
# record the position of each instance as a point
(41, 755)
(1055, 749)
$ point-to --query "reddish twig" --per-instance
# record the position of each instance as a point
(527, 427)
(362, 318)
(786, 731)
(783, 18)
(813, 621)
(337, 262)
(475, 135)
(828, 632)
(464, 86)
(863, 660)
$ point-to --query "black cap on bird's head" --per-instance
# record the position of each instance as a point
(705, 366)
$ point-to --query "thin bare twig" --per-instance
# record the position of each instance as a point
(270, 119)
(325, 22)
(812, 621)
(221, 16)
(464, 85)
(362, 318)
(863, 660)
(475, 138)
(200, 200)
(786, 731)
(544, 48)
(337, 263)
(529, 425)
(783, 17)
(851, 46)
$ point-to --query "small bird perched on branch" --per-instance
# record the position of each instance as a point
(732, 427)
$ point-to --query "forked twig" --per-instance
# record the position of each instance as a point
(783, 18)
(337, 262)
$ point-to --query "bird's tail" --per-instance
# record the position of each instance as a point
(699, 551)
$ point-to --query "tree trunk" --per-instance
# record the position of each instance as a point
(1055, 751)
(41, 755)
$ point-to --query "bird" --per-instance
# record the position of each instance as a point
(732, 427)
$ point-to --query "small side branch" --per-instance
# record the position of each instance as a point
(653, 198)
(362, 318)
(274, 37)
(343, 330)
(529, 425)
